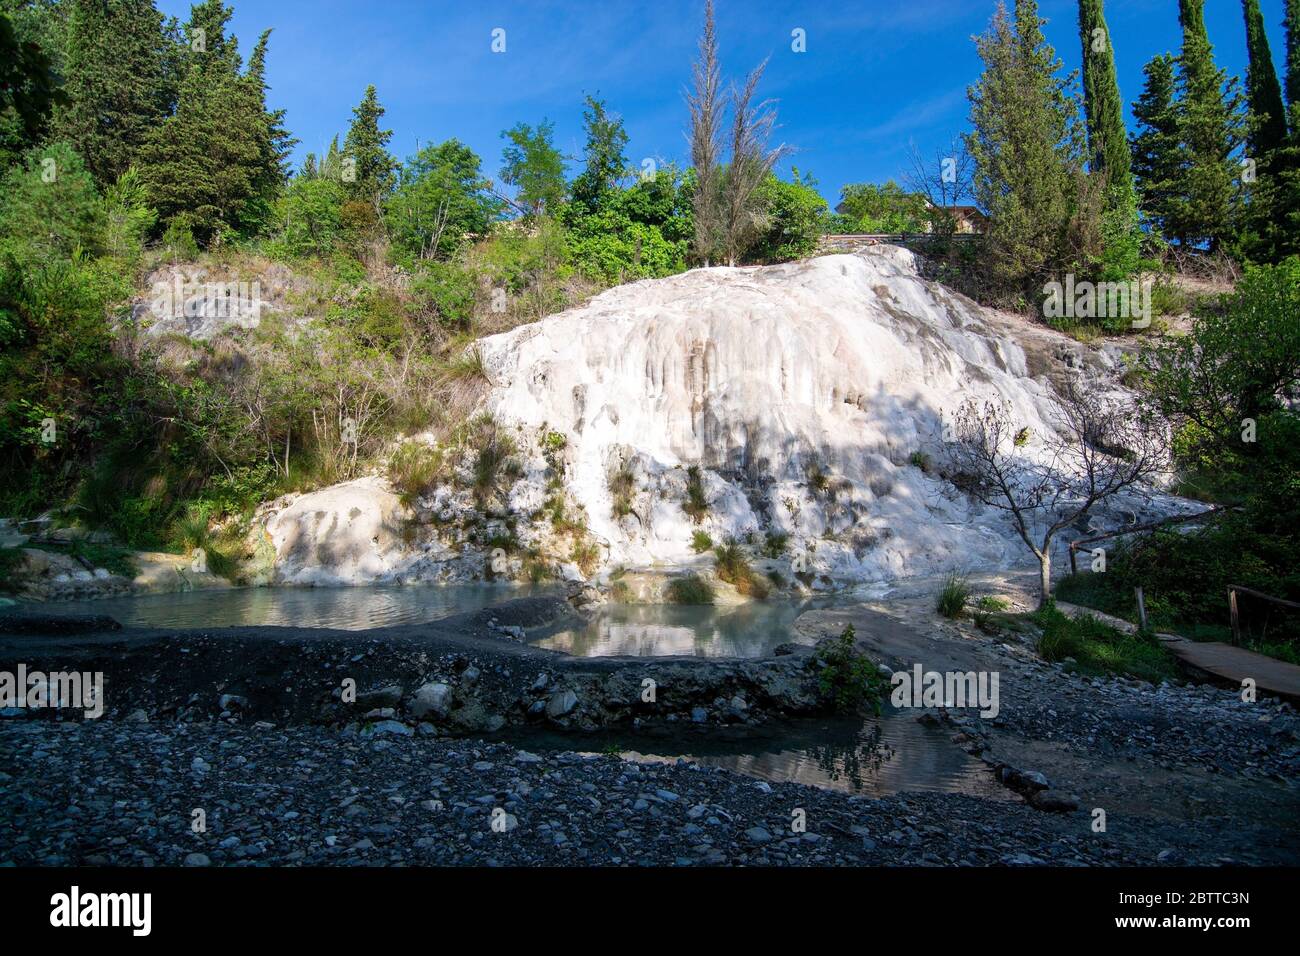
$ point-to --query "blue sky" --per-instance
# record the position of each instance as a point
(877, 74)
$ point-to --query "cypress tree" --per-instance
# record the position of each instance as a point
(1210, 129)
(217, 161)
(1263, 92)
(1108, 150)
(1107, 141)
(117, 79)
(1293, 62)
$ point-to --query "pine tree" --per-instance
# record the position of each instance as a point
(216, 163)
(1210, 129)
(1157, 152)
(29, 90)
(118, 81)
(369, 174)
(274, 141)
(1028, 148)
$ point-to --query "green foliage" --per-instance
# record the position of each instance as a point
(701, 542)
(120, 69)
(50, 208)
(888, 208)
(690, 589)
(622, 486)
(1226, 390)
(447, 291)
(442, 202)
(367, 166)
(1107, 142)
(795, 215)
(218, 160)
(1157, 159)
(310, 214)
(1097, 648)
(414, 469)
(734, 569)
(1210, 132)
(533, 165)
(954, 594)
(29, 89)
(697, 503)
(775, 543)
(848, 680)
(1028, 151)
(496, 467)
(635, 233)
(603, 155)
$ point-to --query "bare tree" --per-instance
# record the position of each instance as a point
(752, 125)
(706, 106)
(944, 179)
(1100, 449)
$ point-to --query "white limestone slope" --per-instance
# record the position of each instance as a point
(843, 365)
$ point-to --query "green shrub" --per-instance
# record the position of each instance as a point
(734, 569)
(848, 680)
(701, 542)
(697, 503)
(690, 589)
(414, 469)
(622, 486)
(953, 596)
(775, 544)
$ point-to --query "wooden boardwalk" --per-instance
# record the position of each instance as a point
(1222, 662)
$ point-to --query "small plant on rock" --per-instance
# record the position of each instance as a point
(848, 679)
(734, 568)
(696, 504)
(690, 589)
(701, 542)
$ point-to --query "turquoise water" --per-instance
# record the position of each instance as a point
(349, 609)
(750, 630)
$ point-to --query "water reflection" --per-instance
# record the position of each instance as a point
(892, 754)
(748, 630)
(349, 608)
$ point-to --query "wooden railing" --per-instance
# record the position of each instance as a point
(1234, 590)
(1152, 526)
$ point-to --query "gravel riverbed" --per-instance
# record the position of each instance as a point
(127, 792)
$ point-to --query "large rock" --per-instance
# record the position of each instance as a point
(431, 699)
(845, 366)
(349, 533)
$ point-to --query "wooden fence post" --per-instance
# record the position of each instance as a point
(1142, 609)
(1232, 612)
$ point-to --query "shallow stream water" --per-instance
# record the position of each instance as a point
(890, 754)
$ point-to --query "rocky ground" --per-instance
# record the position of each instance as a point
(127, 793)
(243, 727)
